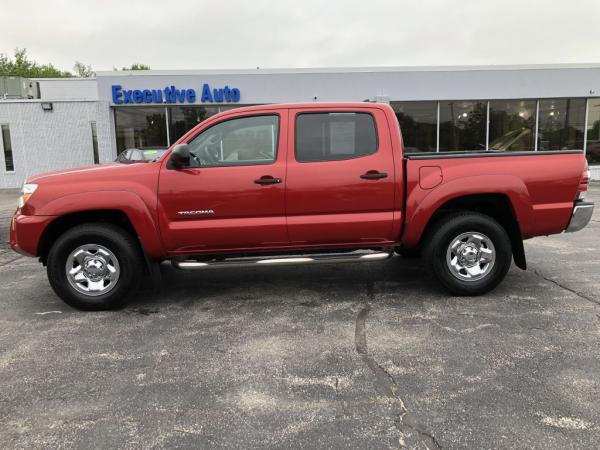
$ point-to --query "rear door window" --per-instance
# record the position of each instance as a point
(334, 136)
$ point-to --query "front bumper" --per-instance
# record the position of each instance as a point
(582, 214)
(26, 231)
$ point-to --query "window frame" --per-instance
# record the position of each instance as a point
(566, 124)
(475, 101)
(95, 146)
(171, 123)
(117, 110)
(262, 114)
(12, 153)
(298, 114)
(534, 126)
(436, 125)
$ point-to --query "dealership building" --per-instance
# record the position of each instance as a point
(51, 124)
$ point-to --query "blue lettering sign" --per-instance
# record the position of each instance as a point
(170, 94)
(218, 95)
(206, 97)
(157, 96)
(147, 95)
(190, 95)
(137, 96)
(117, 94)
(127, 97)
(180, 95)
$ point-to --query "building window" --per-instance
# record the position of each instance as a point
(8, 154)
(561, 124)
(95, 143)
(183, 118)
(243, 141)
(512, 125)
(418, 124)
(334, 136)
(463, 125)
(592, 151)
(140, 127)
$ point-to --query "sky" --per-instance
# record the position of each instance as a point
(238, 34)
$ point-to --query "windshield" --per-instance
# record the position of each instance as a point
(151, 155)
(140, 154)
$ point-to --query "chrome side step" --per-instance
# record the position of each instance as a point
(284, 260)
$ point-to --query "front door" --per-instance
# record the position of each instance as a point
(340, 181)
(232, 194)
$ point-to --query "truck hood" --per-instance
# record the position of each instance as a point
(92, 171)
(139, 179)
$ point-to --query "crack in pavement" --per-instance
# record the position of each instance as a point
(11, 261)
(384, 383)
(567, 288)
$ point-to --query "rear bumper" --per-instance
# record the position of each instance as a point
(582, 214)
(26, 231)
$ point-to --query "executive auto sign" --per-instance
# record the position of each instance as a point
(171, 94)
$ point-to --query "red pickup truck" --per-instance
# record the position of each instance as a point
(296, 184)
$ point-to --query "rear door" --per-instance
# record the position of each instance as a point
(340, 183)
(232, 195)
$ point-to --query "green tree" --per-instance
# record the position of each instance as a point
(136, 66)
(81, 70)
(21, 66)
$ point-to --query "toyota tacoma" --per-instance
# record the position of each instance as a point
(296, 184)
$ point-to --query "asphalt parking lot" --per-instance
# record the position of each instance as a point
(360, 355)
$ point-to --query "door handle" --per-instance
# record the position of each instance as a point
(373, 175)
(268, 179)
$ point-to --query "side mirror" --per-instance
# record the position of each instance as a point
(180, 156)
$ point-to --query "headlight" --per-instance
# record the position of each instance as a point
(26, 193)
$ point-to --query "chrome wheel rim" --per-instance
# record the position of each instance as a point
(92, 270)
(470, 256)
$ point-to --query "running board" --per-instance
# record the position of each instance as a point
(284, 260)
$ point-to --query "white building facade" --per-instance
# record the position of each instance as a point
(499, 108)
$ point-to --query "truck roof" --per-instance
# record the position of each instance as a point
(310, 105)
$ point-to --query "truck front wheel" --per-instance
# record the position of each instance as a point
(94, 266)
(469, 253)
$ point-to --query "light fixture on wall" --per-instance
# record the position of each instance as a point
(47, 106)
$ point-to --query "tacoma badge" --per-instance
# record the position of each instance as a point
(199, 212)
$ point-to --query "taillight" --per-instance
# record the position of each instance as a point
(583, 183)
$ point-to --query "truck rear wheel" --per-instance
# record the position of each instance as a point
(94, 266)
(469, 253)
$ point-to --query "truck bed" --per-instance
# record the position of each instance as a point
(541, 186)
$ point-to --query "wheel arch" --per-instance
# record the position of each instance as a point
(495, 205)
(124, 209)
(67, 221)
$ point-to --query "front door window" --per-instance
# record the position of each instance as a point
(238, 142)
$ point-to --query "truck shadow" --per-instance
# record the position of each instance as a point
(305, 285)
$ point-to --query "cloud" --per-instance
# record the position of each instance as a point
(310, 33)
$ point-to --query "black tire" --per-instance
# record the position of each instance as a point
(446, 231)
(125, 248)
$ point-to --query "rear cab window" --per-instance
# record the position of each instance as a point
(334, 136)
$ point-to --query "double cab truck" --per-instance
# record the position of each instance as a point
(296, 184)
